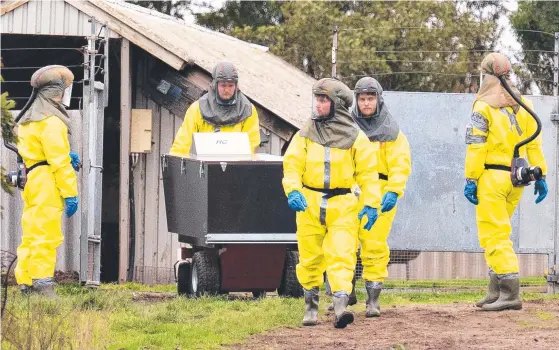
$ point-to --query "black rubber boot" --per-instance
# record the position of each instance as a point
(492, 292)
(343, 316)
(25, 289)
(352, 296)
(509, 296)
(311, 307)
(373, 293)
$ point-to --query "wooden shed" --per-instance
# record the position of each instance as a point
(150, 55)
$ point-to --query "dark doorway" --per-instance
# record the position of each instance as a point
(22, 55)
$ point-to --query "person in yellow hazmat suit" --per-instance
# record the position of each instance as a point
(223, 109)
(323, 161)
(497, 124)
(394, 166)
(51, 187)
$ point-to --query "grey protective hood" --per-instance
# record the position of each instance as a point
(380, 126)
(219, 112)
(49, 82)
(337, 130)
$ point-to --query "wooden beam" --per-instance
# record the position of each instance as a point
(124, 191)
(8, 6)
(275, 124)
(116, 25)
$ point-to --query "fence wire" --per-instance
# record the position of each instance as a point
(415, 270)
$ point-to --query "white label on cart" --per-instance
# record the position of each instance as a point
(221, 143)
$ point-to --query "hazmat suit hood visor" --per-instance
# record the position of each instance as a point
(220, 111)
(379, 126)
(50, 83)
(67, 96)
(335, 129)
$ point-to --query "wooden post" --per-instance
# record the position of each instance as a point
(124, 191)
(335, 52)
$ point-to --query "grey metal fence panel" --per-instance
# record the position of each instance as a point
(433, 214)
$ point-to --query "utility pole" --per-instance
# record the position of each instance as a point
(94, 101)
(553, 274)
(556, 70)
(334, 51)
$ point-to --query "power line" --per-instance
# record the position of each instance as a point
(386, 28)
(544, 80)
(28, 81)
(26, 98)
(41, 48)
(534, 31)
(464, 74)
(435, 51)
(428, 28)
(388, 60)
(12, 68)
(421, 51)
(537, 65)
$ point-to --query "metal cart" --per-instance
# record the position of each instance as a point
(233, 213)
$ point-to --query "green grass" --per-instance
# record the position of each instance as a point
(138, 287)
(116, 317)
(544, 316)
(206, 322)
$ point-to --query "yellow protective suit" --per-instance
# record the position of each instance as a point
(491, 137)
(193, 122)
(394, 163)
(327, 229)
(43, 196)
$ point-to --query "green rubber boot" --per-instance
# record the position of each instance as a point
(492, 292)
(311, 307)
(509, 296)
(352, 296)
(373, 293)
(343, 316)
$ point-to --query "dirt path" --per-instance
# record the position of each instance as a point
(455, 326)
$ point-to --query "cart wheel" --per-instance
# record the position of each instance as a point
(259, 294)
(184, 279)
(205, 279)
(290, 286)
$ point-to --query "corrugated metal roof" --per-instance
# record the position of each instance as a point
(52, 17)
(264, 78)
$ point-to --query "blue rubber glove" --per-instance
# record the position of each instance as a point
(388, 201)
(470, 191)
(540, 187)
(71, 205)
(75, 160)
(372, 216)
(297, 201)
